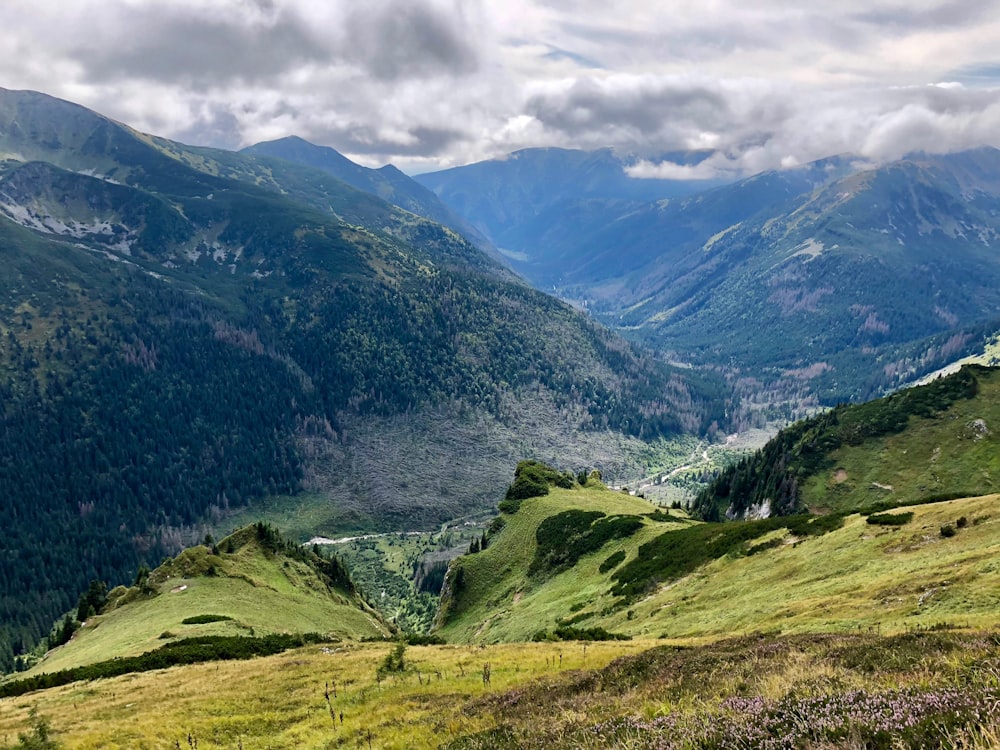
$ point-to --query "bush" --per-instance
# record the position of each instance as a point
(533, 479)
(185, 651)
(510, 507)
(525, 487)
(394, 662)
(674, 554)
(567, 633)
(204, 619)
(890, 519)
(662, 516)
(495, 527)
(415, 639)
(612, 562)
(566, 537)
(40, 736)
(948, 531)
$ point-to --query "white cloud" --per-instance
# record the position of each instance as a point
(433, 83)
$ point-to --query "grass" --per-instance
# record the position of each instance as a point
(278, 702)
(554, 695)
(856, 577)
(950, 452)
(894, 620)
(250, 593)
(502, 602)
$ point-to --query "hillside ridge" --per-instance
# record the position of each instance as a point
(251, 583)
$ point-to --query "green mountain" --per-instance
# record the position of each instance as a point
(189, 332)
(844, 279)
(252, 584)
(586, 563)
(919, 444)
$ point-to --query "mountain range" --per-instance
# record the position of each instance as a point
(848, 277)
(188, 331)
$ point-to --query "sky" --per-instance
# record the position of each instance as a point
(430, 84)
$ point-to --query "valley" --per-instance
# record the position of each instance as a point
(191, 333)
(811, 280)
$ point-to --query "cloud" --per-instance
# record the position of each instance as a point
(203, 45)
(181, 44)
(434, 83)
(407, 39)
(755, 125)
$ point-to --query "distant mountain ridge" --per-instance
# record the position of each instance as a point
(388, 183)
(848, 277)
(508, 198)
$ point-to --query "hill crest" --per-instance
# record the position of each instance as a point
(251, 583)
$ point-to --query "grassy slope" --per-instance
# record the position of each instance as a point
(553, 695)
(870, 576)
(262, 593)
(932, 456)
(501, 603)
(278, 702)
(859, 576)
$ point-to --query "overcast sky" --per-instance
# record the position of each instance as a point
(427, 84)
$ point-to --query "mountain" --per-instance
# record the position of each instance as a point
(251, 583)
(586, 563)
(190, 332)
(919, 444)
(510, 198)
(846, 278)
(387, 183)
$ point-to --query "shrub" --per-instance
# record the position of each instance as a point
(509, 506)
(416, 639)
(661, 516)
(568, 633)
(40, 736)
(495, 527)
(613, 561)
(394, 662)
(185, 651)
(948, 531)
(764, 546)
(674, 554)
(566, 537)
(890, 519)
(204, 619)
(525, 487)
(533, 479)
